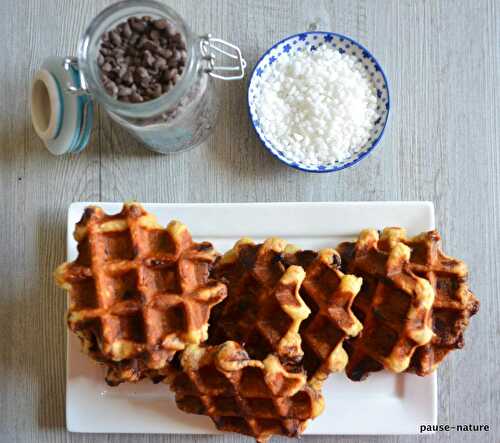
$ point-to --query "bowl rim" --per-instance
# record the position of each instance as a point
(363, 154)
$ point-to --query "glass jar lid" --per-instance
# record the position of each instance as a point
(62, 119)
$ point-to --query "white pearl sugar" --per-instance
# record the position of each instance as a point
(317, 106)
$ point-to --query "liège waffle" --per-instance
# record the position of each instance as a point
(329, 294)
(453, 305)
(453, 302)
(263, 309)
(138, 293)
(394, 304)
(259, 398)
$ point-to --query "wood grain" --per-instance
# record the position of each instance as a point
(441, 144)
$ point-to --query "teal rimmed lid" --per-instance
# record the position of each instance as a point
(60, 117)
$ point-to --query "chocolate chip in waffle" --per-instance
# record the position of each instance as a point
(263, 310)
(394, 304)
(138, 293)
(259, 398)
(329, 294)
(453, 305)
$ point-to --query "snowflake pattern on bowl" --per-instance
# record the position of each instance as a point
(310, 41)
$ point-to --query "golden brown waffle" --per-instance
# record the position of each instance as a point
(453, 305)
(263, 310)
(329, 294)
(252, 397)
(394, 304)
(138, 292)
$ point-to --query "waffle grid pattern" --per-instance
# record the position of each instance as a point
(394, 305)
(138, 292)
(263, 309)
(329, 294)
(253, 397)
(454, 303)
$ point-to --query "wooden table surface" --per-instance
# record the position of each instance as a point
(442, 59)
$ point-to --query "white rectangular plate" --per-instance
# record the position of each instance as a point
(383, 404)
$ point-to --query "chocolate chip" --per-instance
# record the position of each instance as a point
(107, 45)
(128, 78)
(123, 91)
(141, 59)
(151, 46)
(178, 55)
(160, 64)
(111, 88)
(170, 30)
(134, 38)
(160, 24)
(336, 260)
(127, 30)
(145, 83)
(166, 53)
(122, 71)
(156, 90)
(137, 25)
(115, 38)
(166, 76)
(107, 67)
(136, 98)
(153, 72)
(142, 40)
(172, 74)
(142, 72)
(154, 35)
(148, 58)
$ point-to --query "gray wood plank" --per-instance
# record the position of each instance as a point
(36, 188)
(441, 144)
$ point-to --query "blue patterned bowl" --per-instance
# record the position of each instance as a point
(309, 41)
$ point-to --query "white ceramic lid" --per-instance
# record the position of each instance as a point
(62, 119)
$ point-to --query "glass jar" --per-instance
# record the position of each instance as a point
(175, 121)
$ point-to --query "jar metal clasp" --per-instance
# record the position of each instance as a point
(210, 46)
(71, 64)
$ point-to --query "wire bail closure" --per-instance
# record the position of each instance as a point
(71, 64)
(210, 46)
